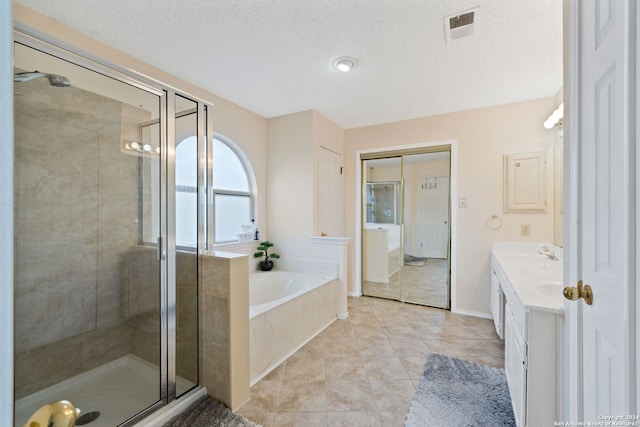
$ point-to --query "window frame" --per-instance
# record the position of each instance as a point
(213, 192)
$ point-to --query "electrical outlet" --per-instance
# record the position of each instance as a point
(525, 230)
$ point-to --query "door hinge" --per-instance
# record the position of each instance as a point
(341, 170)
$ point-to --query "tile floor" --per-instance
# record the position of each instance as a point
(427, 284)
(363, 371)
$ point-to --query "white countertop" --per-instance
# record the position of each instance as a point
(533, 277)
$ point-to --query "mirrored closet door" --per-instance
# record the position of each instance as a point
(406, 227)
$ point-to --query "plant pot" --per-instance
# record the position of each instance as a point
(266, 265)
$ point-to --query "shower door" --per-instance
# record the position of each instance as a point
(90, 258)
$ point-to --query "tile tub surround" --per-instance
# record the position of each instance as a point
(224, 327)
(363, 371)
(279, 332)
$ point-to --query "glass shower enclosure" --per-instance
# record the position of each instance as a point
(106, 302)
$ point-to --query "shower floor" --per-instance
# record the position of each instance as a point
(118, 390)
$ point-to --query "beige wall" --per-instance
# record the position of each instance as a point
(482, 136)
(294, 141)
(290, 177)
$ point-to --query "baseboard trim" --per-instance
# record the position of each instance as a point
(473, 313)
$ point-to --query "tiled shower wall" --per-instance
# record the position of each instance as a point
(76, 218)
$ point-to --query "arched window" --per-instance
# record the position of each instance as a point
(231, 190)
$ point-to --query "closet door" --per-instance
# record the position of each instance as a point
(424, 273)
(406, 230)
(381, 228)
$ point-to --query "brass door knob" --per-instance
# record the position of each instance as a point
(573, 293)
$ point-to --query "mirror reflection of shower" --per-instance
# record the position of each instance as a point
(382, 202)
(54, 79)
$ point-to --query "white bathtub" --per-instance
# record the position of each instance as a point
(287, 309)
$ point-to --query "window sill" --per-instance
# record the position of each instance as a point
(230, 246)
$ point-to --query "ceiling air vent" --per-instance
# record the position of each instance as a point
(459, 25)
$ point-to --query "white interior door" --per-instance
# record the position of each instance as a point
(434, 216)
(605, 203)
(330, 193)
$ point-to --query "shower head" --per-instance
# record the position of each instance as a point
(54, 79)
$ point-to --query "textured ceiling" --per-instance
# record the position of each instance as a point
(273, 57)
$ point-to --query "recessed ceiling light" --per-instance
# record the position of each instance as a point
(344, 63)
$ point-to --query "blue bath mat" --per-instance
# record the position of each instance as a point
(455, 392)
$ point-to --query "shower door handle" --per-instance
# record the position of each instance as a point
(55, 414)
(162, 255)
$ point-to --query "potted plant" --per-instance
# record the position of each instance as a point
(263, 250)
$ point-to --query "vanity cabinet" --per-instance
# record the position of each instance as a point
(497, 304)
(515, 363)
(532, 330)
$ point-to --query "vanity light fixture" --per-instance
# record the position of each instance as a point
(344, 63)
(555, 118)
(136, 148)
